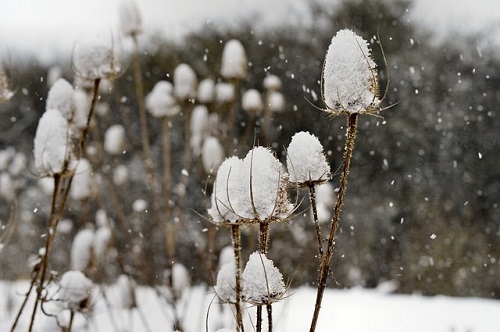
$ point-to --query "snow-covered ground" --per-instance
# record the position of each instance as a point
(342, 310)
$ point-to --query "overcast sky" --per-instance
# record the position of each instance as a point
(48, 27)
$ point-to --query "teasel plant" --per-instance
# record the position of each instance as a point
(308, 167)
(250, 191)
(59, 142)
(349, 87)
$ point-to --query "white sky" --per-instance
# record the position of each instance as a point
(48, 27)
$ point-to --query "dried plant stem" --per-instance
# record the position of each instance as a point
(167, 175)
(62, 187)
(263, 248)
(26, 297)
(269, 308)
(352, 122)
(312, 199)
(236, 238)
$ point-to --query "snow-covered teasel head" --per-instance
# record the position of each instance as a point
(252, 102)
(115, 139)
(306, 160)
(226, 282)
(62, 98)
(206, 91)
(185, 82)
(52, 148)
(276, 102)
(234, 60)
(75, 291)
(225, 191)
(212, 154)
(262, 281)
(82, 250)
(81, 186)
(251, 190)
(272, 83)
(98, 59)
(160, 101)
(130, 18)
(349, 79)
(262, 190)
(224, 93)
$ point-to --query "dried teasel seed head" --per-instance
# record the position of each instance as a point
(350, 82)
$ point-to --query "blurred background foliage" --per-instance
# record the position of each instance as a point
(422, 203)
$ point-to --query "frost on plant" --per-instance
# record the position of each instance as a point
(130, 18)
(184, 82)
(262, 281)
(114, 139)
(81, 187)
(234, 60)
(51, 144)
(349, 75)
(160, 101)
(75, 291)
(306, 160)
(82, 250)
(97, 60)
(262, 191)
(252, 102)
(224, 193)
(212, 154)
(252, 189)
(226, 282)
(61, 97)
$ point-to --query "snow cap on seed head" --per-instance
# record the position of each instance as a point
(75, 291)
(130, 18)
(61, 98)
(51, 144)
(226, 282)
(252, 102)
(234, 60)
(98, 59)
(225, 194)
(160, 101)
(262, 281)
(212, 154)
(184, 82)
(350, 81)
(306, 161)
(262, 191)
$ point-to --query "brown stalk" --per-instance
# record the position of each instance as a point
(352, 122)
(236, 238)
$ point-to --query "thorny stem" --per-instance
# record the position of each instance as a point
(312, 198)
(352, 122)
(236, 237)
(146, 149)
(269, 308)
(263, 247)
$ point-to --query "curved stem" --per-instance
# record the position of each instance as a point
(352, 122)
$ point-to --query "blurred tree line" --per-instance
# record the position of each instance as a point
(422, 204)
